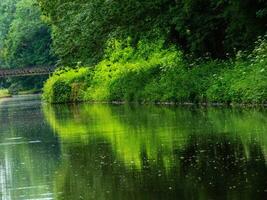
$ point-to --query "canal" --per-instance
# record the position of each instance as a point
(132, 152)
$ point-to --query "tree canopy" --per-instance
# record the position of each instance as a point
(25, 39)
(200, 27)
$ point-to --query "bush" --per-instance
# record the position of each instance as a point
(153, 72)
(4, 93)
(125, 70)
(66, 85)
(245, 81)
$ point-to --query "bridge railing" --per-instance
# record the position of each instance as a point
(26, 71)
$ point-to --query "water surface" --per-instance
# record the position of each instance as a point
(130, 152)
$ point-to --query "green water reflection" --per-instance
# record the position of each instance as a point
(28, 151)
(131, 152)
(148, 152)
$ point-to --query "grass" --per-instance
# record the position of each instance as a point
(32, 91)
(4, 93)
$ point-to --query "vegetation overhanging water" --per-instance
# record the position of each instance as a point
(141, 51)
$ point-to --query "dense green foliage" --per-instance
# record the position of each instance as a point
(28, 40)
(214, 27)
(163, 50)
(152, 72)
(246, 81)
(7, 10)
(24, 41)
(179, 51)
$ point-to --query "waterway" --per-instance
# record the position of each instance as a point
(130, 152)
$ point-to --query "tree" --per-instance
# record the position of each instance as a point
(81, 28)
(25, 41)
(7, 10)
(28, 41)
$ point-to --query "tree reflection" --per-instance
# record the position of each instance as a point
(29, 152)
(224, 168)
(158, 153)
(216, 169)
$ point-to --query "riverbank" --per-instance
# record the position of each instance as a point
(4, 93)
(152, 73)
(29, 92)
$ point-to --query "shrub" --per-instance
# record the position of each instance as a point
(125, 70)
(66, 85)
(4, 93)
(245, 81)
(154, 72)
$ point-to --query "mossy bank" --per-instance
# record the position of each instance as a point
(4, 93)
(154, 72)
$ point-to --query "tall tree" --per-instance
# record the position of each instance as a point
(80, 28)
(28, 41)
(25, 41)
(7, 10)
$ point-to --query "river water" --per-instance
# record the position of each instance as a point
(130, 152)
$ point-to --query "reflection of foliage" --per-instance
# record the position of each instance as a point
(26, 167)
(29, 151)
(222, 171)
(221, 164)
(116, 152)
(98, 121)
